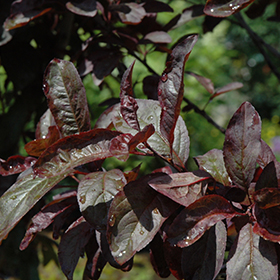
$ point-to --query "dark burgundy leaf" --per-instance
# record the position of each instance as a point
(72, 246)
(213, 163)
(135, 216)
(252, 257)
(132, 174)
(265, 234)
(74, 150)
(194, 220)
(222, 8)
(15, 164)
(153, 6)
(207, 83)
(119, 146)
(95, 193)
(46, 121)
(204, 258)
(242, 145)
(257, 9)
(150, 86)
(66, 97)
(83, 8)
(45, 217)
(157, 257)
(210, 23)
(141, 136)
(227, 88)
(36, 147)
(171, 87)
(22, 18)
(100, 62)
(132, 13)
(184, 188)
(267, 178)
(267, 197)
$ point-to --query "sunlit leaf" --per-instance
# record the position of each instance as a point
(225, 8)
(251, 257)
(149, 113)
(135, 216)
(193, 221)
(185, 188)
(21, 197)
(204, 258)
(83, 8)
(66, 97)
(242, 145)
(213, 163)
(171, 87)
(72, 246)
(72, 151)
(133, 14)
(42, 128)
(95, 193)
(15, 165)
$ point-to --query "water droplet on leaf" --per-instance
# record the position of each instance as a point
(164, 77)
(141, 232)
(150, 118)
(155, 211)
(112, 220)
(82, 199)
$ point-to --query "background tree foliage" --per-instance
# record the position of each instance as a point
(102, 39)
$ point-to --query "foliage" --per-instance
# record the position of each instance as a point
(187, 219)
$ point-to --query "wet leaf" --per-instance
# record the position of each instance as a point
(242, 145)
(42, 128)
(184, 188)
(135, 216)
(204, 258)
(21, 197)
(72, 151)
(66, 97)
(198, 217)
(251, 257)
(45, 217)
(132, 13)
(15, 165)
(95, 193)
(222, 8)
(171, 87)
(72, 246)
(148, 113)
(83, 8)
(213, 163)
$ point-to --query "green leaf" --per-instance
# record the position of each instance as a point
(66, 96)
(21, 197)
(252, 257)
(149, 113)
(95, 193)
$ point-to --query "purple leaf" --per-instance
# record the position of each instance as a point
(267, 178)
(84, 8)
(21, 197)
(184, 188)
(207, 83)
(72, 246)
(213, 163)
(72, 151)
(265, 234)
(15, 164)
(194, 220)
(66, 97)
(227, 88)
(131, 13)
(158, 37)
(251, 257)
(150, 86)
(149, 113)
(95, 193)
(135, 216)
(171, 87)
(45, 217)
(242, 145)
(204, 258)
(42, 128)
(267, 197)
(222, 8)
(153, 6)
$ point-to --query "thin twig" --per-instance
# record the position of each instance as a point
(204, 114)
(259, 44)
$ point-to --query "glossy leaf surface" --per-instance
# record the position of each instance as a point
(95, 193)
(21, 197)
(253, 257)
(213, 163)
(222, 8)
(135, 216)
(242, 145)
(66, 97)
(193, 221)
(148, 113)
(171, 87)
(132, 13)
(184, 188)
